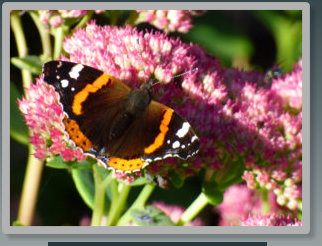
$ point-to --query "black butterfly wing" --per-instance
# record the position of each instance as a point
(90, 98)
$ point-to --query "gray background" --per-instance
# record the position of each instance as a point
(315, 235)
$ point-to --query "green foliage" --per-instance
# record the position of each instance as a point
(32, 64)
(151, 216)
(18, 128)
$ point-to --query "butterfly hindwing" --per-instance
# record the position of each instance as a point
(173, 138)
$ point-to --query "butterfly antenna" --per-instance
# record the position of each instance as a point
(181, 74)
(178, 75)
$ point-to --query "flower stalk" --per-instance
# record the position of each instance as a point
(100, 190)
(118, 204)
(16, 26)
(30, 188)
(138, 204)
(193, 210)
(44, 36)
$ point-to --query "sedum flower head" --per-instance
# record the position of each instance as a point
(232, 211)
(43, 115)
(234, 116)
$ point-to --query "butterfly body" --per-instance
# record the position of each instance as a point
(124, 129)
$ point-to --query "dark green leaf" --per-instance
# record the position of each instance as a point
(18, 128)
(151, 216)
(84, 182)
(176, 179)
(231, 175)
(212, 192)
(30, 63)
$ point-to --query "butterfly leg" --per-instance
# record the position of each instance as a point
(100, 155)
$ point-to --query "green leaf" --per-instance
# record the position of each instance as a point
(18, 128)
(151, 216)
(84, 182)
(59, 163)
(17, 223)
(213, 193)
(101, 171)
(31, 63)
(231, 175)
(176, 179)
(139, 181)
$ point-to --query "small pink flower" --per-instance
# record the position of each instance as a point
(68, 154)
(56, 21)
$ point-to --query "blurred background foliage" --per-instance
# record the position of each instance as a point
(248, 40)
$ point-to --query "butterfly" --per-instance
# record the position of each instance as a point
(123, 129)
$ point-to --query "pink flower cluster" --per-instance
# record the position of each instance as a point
(242, 205)
(168, 20)
(43, 115)
(57, 17)
(271, 220)
(234, 116)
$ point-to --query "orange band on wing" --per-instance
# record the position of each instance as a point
(126, 165)
(163, 131)
(76, 134)
(81, 96)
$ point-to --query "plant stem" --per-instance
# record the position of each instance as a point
(265, 202)
(85, 19)
(16, 26)
(30, 189)
(132, 18)
(191, 212)
(118, 204)
(100, 188)
(114, 17)
(44, 36)
(139, 203)
(34, 167)
(59, 37)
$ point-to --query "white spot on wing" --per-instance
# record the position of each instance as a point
(168, 142)
(73, 89)
(64, 83)
(176, 144)
(194, 138)
(74, 72)
(184, 130)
